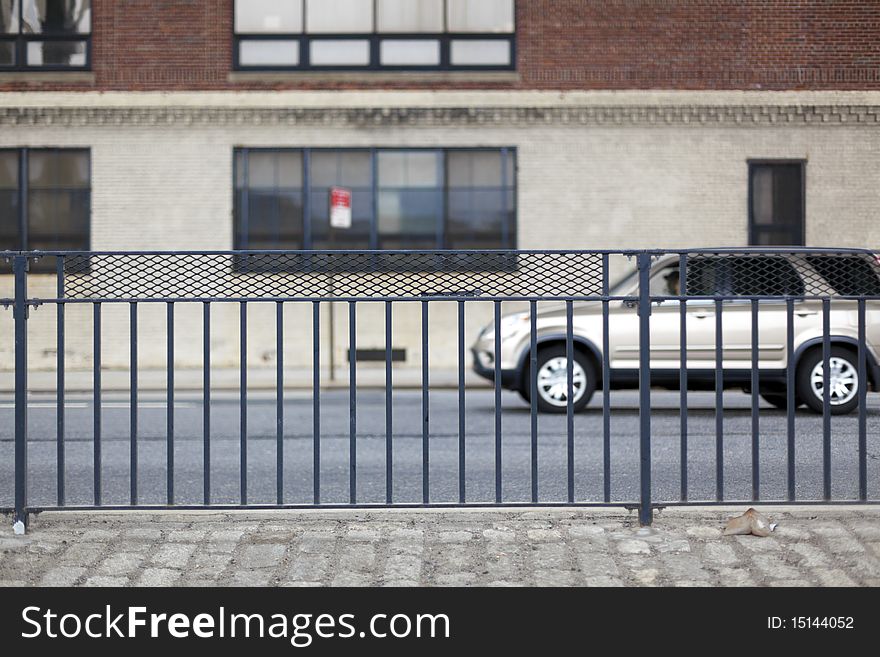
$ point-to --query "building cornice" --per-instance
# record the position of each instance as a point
(417, 116)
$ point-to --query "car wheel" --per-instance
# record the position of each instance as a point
(844, 380)
(552, 380)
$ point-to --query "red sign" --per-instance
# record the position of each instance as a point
(340, 207)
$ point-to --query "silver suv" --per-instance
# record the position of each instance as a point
(755, 274)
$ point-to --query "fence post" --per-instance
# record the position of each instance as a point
(20, 313)
(644, 312)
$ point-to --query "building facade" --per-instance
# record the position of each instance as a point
(465, 124)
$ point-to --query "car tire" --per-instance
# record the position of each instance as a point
(552, 370)
(844, 367)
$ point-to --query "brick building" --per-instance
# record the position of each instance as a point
(219, 124)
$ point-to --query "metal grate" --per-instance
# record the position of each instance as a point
(329, 275)
(795, 274)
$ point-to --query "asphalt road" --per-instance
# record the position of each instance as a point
(444, 441)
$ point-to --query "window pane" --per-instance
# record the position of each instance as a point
(57, 16)
(480, 207)
(56, 53)
(409, 169)
(9, 200)
(409, 15)
(480, 15)
(64, 169)
(8, 16)
(7, 53)
(58, 219)
(480, 53)
(475, 169)
(776, 214)
(274, 212)
(396, 52)
(340, 52)
(268, 53)
(8, 169)
(410, 199)
(339, 16)
(268, 16)
(349, 169)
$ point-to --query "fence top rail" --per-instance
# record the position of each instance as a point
(789, 250)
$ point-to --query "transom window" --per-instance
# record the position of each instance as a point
(374, 34)
(400, 198)
(45, 34)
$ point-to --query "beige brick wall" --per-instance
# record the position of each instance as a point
(579, 186)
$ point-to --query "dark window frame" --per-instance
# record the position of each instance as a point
(21, 40)
(508, 187)
(752, 164)
(375, 38)
(44, 264)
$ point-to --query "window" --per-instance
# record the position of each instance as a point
(45, 34)
(763, 275)
(374, 35)
(776, 203)
(401, 198)
(44, 201)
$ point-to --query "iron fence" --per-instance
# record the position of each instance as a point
(819, 307)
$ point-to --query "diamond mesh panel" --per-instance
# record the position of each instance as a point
(332, 275)
(795, 274)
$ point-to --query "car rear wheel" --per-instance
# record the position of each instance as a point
(843, 380)
(552, 380)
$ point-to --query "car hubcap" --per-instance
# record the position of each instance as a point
(553, 381)
(843, 381)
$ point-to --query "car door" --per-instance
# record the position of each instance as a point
(741, 276)
(623, 322)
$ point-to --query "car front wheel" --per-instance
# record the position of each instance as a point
(843, 380)
(552, 380)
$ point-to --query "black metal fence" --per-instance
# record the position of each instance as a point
(819, 310)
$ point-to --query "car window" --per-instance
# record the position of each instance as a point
(723, 275)
(848, 275)
(664, 283)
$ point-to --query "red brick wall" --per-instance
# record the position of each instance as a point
(562, 44)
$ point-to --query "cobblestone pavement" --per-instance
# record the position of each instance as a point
(812, 546)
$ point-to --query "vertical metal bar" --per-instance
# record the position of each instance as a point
(426, 473)
(316, 401)
(645, 508)
(497, 381)
(96, 401)
(826, 399)
(719, 401)
(169, 412)
(756, 455)
(242, 403)
(279, 402)
(352, 402)
(19, 268)
(790, 396)
(569, 397)
(206, 402)
(863, 391)
(461, 406)
(389, 414)
(59, 383)
(533, 377)
(683, 377)
(606, 383)
(133, 402)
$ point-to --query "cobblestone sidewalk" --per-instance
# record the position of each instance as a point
(812, 546)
